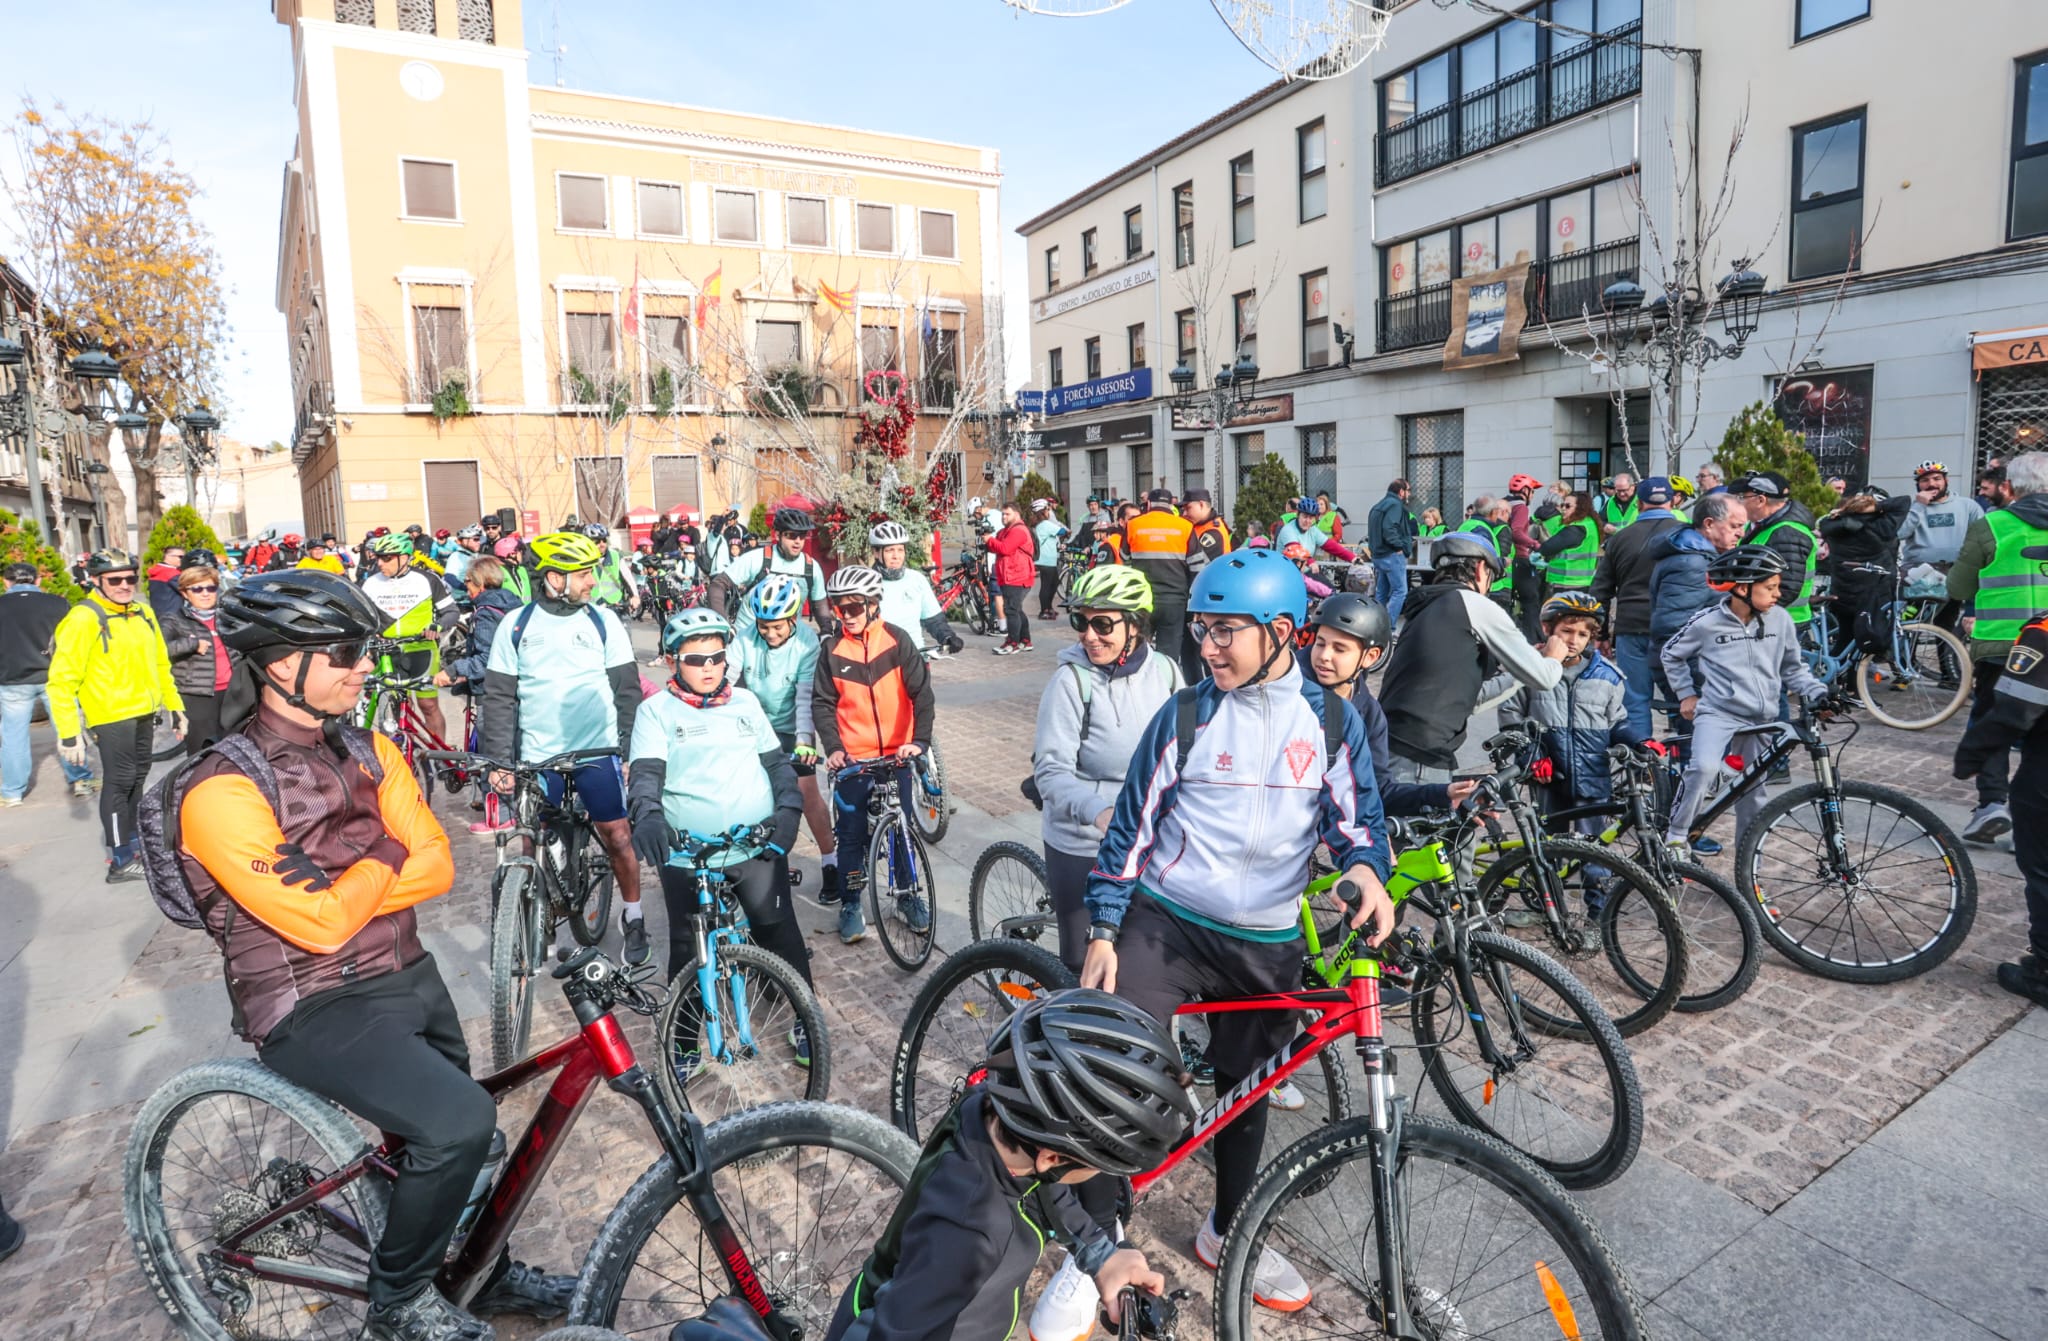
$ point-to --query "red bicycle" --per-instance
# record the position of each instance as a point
(387, 706)
(966, 585)
(253, 1205)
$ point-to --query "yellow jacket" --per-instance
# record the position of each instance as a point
(330, 564)
(110, 661)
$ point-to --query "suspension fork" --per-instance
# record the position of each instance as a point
(1383, 1117)
(713, 1040)
(1830, 806)
(1468, 992)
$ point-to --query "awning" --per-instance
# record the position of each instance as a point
(2006, 349)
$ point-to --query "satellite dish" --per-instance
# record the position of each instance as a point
(1066, 9)
(1307, 39)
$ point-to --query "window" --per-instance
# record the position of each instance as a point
(429, 189)
(1827, 196)
(416, 16)
(1088, 262)
(580, 202)
(1821, 16)
(1134, 234)
(1184, 335)
(1241, 230)
(1098, 473)
(875, 229)
(935, 236)
(1052, 268)
(590, 343)
(2012, 411)
(1141, 469)
(779, 344)
(661, 209)
(2030, 150)
(809, 222)
(601, 488)
(1251, 449)
(1056, 367)
(676, 483)
(880, 350)
(454, 498)
(1134, 344)
(1433, 462)
(474, 21)
(667, 364)
(1063, 479)
(1091, 352)
(1319, 460)
(1183, 225)
(941, 368)
(1244, 313)
(736, 216)
(1193, 460)
(441, 348)
(1315, 320)
(1312, 146)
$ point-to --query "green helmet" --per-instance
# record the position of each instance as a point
(696, 622)
(391, 544)
(1112, 587)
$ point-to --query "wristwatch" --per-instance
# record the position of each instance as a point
(1104, 931)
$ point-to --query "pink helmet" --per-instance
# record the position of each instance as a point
(508, 548)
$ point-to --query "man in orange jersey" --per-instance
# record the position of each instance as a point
(1156, 543)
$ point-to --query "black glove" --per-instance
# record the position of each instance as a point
(783, 831)
(294, 867)
(954, 644)
(653, 841)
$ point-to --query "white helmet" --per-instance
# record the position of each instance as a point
(855, 580)
(887, 533)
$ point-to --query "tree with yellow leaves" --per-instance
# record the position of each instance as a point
(108, 237)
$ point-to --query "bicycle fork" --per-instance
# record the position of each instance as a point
(1384, 1112)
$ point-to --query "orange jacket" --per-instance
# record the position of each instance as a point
(872, 693)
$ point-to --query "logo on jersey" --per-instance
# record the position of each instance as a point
(1300, 756)
(1223, 762)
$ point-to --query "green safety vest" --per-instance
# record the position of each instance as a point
(611, 581)
(1801, 607)
(2011, 590)
(1503, 545)
(1574, 568)
(1432, 532)
(1622, 514)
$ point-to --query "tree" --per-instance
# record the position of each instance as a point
(1758, 440)
(1035, 486)
(1269, 492)
(22, 542)
(109, 240)
(180, 527)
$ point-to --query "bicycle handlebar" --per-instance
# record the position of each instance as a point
(693, 847)
(560, 763)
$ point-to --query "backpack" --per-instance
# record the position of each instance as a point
(1084, 684)
(157, 820)
(141, 607)
(1184, 725)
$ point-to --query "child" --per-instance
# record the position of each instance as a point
(489, 603)
(1079, 1083)
(1729, 667)
(1297, 554)
(1351, 635)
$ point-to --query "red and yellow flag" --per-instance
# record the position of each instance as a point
(707, 297)
(839, 301)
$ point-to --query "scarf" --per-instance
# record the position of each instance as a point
(717, 698)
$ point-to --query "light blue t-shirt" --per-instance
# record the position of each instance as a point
(907, 602)
(744, 571)
(563, 663)
(715, 779)
(780, 677)
(1049, 532)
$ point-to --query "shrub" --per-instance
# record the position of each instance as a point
(22, 542)
(1269, 493)
(1758, 440)
(179, 527)
(1033, 487)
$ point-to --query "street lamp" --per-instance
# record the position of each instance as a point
(18, 423)
(93, 471)
(195, 433)
(1665, 333)
(1228, 401)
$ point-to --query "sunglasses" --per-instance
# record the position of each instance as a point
(345, 655)
(852, 607)
(1103, 625)
(113, 581)
(700, 658)
(203, 587)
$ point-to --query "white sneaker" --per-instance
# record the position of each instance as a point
(1287, 1098)
(1066, 1311)
(1276, 1284)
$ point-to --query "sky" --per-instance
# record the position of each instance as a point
(1065, 101)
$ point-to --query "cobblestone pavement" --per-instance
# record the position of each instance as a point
(1758, 1099)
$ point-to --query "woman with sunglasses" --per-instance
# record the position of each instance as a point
(201, 664)
(110, 674)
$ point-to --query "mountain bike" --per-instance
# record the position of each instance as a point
(387, 706)
(1010, 895)
(965, 585)
(253, 1205)
(1073, 563)
(902, 897)
(732, 1043)
(1920, 678)
(933, 810)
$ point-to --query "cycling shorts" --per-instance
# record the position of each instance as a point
(803, 769)
(419, 661)
(601, 783)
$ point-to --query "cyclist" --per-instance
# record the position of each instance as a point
(873, 698)
(706, 758)
(469, 542)
(777, 658)
(615, 586)
(489, 604)
(907, 599)
(562, 677)
(419, 610)
(1049, 530)
(320, 939)
(791, 528)
(1078, 1084)
(1196, 888)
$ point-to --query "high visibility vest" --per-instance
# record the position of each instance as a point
(1574, 568)
(1157, 536)
(1503, 544)
(2011, 590)
(1801, 606)
(1620, 514)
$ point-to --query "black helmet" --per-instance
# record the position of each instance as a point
(199, 558)
(1085, 1074)
(296, 607)
(1743, 565)
(794, 521)
(102, 561)
(1359, 616)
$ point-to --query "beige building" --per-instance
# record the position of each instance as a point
(500, 295)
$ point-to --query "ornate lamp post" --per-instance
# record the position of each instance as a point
(195, 431)
(18, 423)
(1668, 334)
(1217, 406)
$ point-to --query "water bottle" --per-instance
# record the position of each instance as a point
(558, 850)
(1727, 771)
(481, 1189)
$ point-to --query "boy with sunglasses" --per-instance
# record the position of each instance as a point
(873, 698)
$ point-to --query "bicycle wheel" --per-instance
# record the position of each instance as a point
(1634, 963)
(519, 934)
(753, 1065)
(1899, 902)
(1010, 894)
(981, 615)
(806, 1187)
(931, 803)
(1063, 585)
(1724, 948)
(1572, 1104)
(1489, 1246)
(947, 1032)
(1919, 685)
(422, 767)
(900, 892)
(219, 1145)
(594, 883)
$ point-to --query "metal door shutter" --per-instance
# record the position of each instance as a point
(454, 499)
(676, 484)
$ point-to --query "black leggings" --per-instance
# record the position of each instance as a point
(761, 887)
(202, 721)
(1048, 587)
(390, 1051)
(1068, 875)
(1018, 626)
(124, 773)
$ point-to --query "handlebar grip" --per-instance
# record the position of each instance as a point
(1349, 894)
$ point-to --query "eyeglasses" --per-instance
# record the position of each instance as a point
(114, 580)
(1219, 634)
(345, 655)
(701, 658)
(207, 587)
(855, 606)
(1103, 625)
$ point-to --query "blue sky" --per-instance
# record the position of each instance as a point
(1064, 100)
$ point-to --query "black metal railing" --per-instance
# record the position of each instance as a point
(1419, 317)
(1562, 85)
(1560, 290)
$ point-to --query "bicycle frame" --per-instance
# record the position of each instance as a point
(715, 924)
(1789, 738)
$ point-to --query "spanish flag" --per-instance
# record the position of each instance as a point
(708, 296)
(834, 298)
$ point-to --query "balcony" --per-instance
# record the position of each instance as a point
(1560, 290)
(1555, 89)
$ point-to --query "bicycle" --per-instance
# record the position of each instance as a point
(1010, 894)
(735, 1036)
(933, 810)
(387, 706)
(551, 869)
(1424, 1258)
(901, 895)
(965, 585)
(1920, 678)
(253, 1205)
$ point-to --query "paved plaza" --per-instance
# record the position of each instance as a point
(1820, 1160)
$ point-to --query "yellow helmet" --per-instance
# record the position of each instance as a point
(1682, 486)
(564, 552)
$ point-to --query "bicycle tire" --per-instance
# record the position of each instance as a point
(1724, 946)
(1941, 651)
(1791, 924)
(998, 894)
(934, 813)
(1510, 1282)
(719, 1088)
(1638, 972)
(981, 615)
(517, 935)
(906, 946)
(422, 768)
(243, 1084)
(1564, 1092)
(986, 977)
(745, 1151)
(594, 884)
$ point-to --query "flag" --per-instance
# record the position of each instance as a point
(925, 324)
(836, 300)
(707, 297)
(632, 319)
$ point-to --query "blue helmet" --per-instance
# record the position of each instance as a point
(778, 596)
(1308, 507)
(1254, 582)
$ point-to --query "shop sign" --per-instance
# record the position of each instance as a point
(1262, 410)
(1137, 428)
(1133, 385)
(1031, 402)
(2009, 349)
(1831, 411)
(1102, 286)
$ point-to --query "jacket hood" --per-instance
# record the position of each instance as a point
(2031, 509)
(1684, 538)
(1423, 597)
(497, 598)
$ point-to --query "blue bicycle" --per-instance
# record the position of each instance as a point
(898, 870)
(751, 1033)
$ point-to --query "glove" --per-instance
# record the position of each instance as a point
(653, 840)
(72, 751)
(179, 725)
(806, 750)
(954, 644)
(1543, 770)
(294, 867)
(784, 835)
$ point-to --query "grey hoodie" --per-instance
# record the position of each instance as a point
(1080, 778)
(1935, 531)
(1741, 668)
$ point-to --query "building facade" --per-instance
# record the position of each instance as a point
(564, 302)
(38, 408)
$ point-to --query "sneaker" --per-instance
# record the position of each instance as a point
(853, 928)
(1987, 822)
(519, 1288)
(911, 908)
(1706, 847)
(1066, 1310)
(800, 1042)
(635, 929)
(828, 885)
(86, 787)
(1276, 1283)
(1006, 650)
(123, 872)
(1288, 1098)
(2022, 979)
(1024, 646)
(12, 1235)
(9, 802)
(424, 1317)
